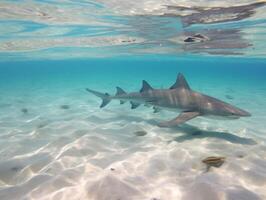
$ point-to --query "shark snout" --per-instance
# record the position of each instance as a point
(244, 113)
(240, 113)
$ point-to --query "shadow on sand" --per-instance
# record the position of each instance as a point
(192, 132)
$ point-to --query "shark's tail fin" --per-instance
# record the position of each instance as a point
(104, 96)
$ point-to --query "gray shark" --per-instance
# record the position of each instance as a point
(179, 97)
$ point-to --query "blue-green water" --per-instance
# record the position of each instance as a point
(64, 142)
(55, 141)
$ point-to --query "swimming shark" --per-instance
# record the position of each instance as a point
(179, 98)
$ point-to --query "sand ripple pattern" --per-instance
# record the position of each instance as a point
(78, 151)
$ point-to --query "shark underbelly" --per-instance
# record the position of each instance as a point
(216, 117)
(170, 107)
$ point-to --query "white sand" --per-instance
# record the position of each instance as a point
(89, 153)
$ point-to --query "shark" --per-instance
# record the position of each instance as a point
(178, 98)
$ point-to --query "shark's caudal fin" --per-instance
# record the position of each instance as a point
(104, 96)
(180, 82)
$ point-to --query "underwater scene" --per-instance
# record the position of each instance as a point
(132, 100)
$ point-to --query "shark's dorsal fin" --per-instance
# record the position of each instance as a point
(145, 86)
(119, 91)
(180, 82)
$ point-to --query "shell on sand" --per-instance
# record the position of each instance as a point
(140, 133)
(214, 161)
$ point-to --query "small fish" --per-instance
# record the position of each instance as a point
(24, 110)
(65, 107)
(140, 133)
(229, 96)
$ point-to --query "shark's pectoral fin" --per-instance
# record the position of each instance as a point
(182, 118)
(122, 101)
(134, 105)
(147, 105)
(156, 109)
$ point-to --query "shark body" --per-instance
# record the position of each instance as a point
(179, 98)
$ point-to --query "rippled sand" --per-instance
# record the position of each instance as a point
(55, 141)
(57, 144)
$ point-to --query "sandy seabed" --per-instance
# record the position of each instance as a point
(57, 146)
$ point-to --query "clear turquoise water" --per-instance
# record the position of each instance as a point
(55, 141)
(51, 150)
